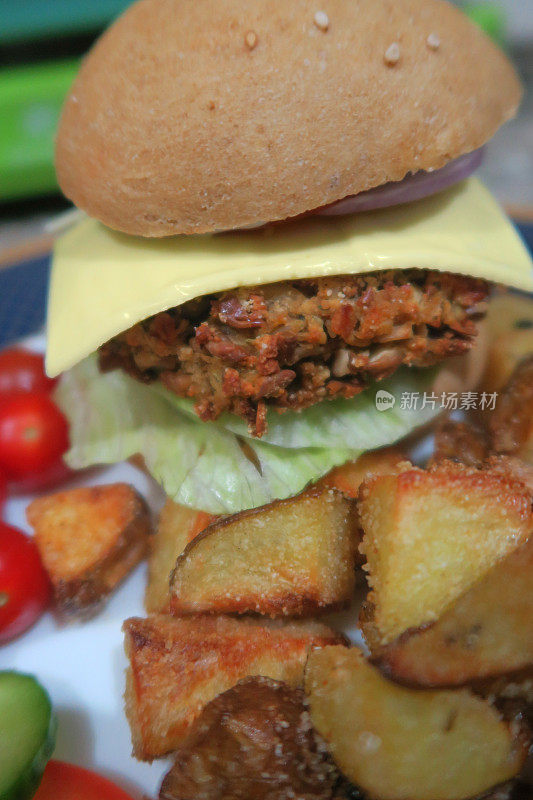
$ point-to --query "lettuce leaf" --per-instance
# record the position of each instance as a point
(354, 424)
(217, 466)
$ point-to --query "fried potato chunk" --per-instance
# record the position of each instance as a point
(291, 557)
(511, 423)
(89, 539)
(176, 527)
(510, 325)
(466, 443)
(177, 666)
(254, 741)
(488, 631)
(510, 466)
(397, 743)
(516, 689)
(348, 477)
(429, 535)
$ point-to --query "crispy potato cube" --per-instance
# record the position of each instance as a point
(291, 557)
(176, 527)
(255, 740)
(349, 477)
(177, 666)
(396, 743)
(430, 535)
(514, 790)
(516, 689)
(518, 470)
(511, 423)
(486, 633)
(89, 539)
(510, 324)
(464, 442)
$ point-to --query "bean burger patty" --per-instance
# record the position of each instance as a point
(294, 343)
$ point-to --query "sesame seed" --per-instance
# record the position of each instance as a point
(250, 39)
(392, 54)
(321, 20)
(433, 41)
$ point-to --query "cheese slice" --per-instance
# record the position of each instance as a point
(103, 282)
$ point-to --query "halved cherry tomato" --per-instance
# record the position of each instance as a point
(33, 435)
(23, 371)
(24, 584)
(62, 781)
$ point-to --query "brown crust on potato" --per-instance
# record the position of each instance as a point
(153, 142)
(511, 423)
(454, 522)
(176, 527)
(314, 569)
(487, 633)
(256, 740)
(463, 442)
(178, 665)
(89, 539)
(396, 742)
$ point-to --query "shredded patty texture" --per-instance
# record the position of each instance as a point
(295, 343)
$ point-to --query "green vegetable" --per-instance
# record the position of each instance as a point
(344, 424)
(27, 735)
(218, 466)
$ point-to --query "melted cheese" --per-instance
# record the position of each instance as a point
(103, 282)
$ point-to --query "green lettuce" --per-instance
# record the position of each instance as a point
(355, 424)
(218, 466)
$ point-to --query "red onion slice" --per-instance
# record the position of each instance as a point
(413, 187)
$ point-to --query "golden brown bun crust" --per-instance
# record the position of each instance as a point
(181, 122)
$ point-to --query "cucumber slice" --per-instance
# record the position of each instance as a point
(27, 735)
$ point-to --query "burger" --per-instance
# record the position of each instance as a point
(284, 259)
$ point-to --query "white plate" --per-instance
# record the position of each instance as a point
(82, 664)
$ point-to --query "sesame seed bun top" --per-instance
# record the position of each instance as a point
(190, 116)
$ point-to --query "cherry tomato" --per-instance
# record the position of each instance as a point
(62, 781)
(47, 479)
(33, 435)
(3, 490)
(24, 584)
(23, 371)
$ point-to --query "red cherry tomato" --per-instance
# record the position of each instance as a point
(23, 371)
(24, 584)
(47, 479)
(63, 781)
(33, 435)
(3, 490)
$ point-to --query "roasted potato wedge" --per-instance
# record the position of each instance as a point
(89, 539)
(349, 477)
(511, 423)
(510, 325)
(486, 633)
(510, 466)
(514, 790)
(255, 740)
(517, 688)
(405, 744)
(178, 665)
(291, 557)
(176, 527)
(466, 443)
(429, 535)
